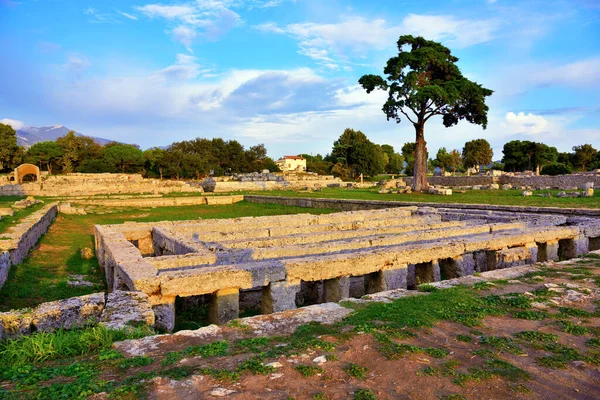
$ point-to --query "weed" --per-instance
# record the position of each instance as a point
(309, 370)
(109, 355)
(483, 285)
(364, 394)
(255, 366)
(464, 338)
(178, 373)
(223, 375)
(427, 287)
(569, 327)
(535, 336)
(391, 349)
(319, 396)
(140, 361)
(502, 344)
(594, 342)
(518, 388)
(575, 312)
(356, 371)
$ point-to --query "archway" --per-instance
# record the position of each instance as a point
(26, 169)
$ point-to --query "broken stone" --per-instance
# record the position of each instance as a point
(320, 360)
(275, 364)
(527, 193)
(221, 392)
(127, 309)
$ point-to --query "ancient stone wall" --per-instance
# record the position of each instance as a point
(162, 201)
(117, 310)
(573, 181)
(18, 240)
(473, 180)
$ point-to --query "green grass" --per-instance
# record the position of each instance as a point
(495, 197)
(309, 370)
(364, 394)
(356, 371)
(8, 221)
(43, 275)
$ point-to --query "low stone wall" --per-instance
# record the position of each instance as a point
(237, 186)
(353, 205)
(117, 310)
(16, 242)
(474, 180)
(163, 201)
(573, 181)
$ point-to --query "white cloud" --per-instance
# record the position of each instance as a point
(582, 74)
(16, 124)
(127, 15)
(185, 68)
(528, 124)
(202, 18)
(355, 36)
(185, 35)
(99, 17)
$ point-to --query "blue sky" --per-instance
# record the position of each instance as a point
(284, 72)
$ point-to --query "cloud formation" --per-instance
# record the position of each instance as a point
(16, 124)
(528, 124)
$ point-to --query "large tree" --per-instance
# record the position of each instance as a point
(8, 145)
(423, 81)
(584, 155)
(48, 153)
(126, 157)
(360, 154)
(477, 152)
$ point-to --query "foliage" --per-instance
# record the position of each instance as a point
(444, 160)
(424, 80)
(476, 153)
(358, 153)
(317, 164)
(48, 152)
(126, 157)
(583, 156)
(526, 155)
(76, 149)
(556, 169)
(8, 146)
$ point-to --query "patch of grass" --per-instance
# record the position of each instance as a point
(594, 342)
(178, 373)
(484, 285)
(215, 349)
(140, 361)
(464, 338)
(251, 345)
(364, 394)
(575, 312)
(393, 350)
(571, 328)
(319, 396)
(510, 300)
(457, 304)
(356, 371)
(501, 343)
(535, 336)
(309, 370)
(41, 346)
(255, 366)
(562, 355)
(427, 287)
(518, 388)
(222, 375)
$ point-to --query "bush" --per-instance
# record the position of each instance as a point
(556, 169)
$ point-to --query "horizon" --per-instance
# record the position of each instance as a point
(284, 72)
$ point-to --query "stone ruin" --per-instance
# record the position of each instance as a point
(278, 263)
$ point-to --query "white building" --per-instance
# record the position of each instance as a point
(291, 164)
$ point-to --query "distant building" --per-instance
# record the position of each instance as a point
(291, 164)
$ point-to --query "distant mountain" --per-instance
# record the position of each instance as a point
(30, 135)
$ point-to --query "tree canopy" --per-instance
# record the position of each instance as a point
(48, 153)
(358, 153)
(8, 146)
(477, 152)
(423, 81)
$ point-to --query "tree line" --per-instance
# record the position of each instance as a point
(191, 159)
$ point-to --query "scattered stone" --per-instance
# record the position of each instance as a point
(527, 193)
(550, 285)
(78, 281)
(275, 364)
(578, 364)
(320, 360)
(539, 306)
(275, 376)
(221, 392)
(507, 186)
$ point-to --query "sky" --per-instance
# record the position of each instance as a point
(285, 72)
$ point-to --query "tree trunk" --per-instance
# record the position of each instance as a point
(49, 165)
(420, 169)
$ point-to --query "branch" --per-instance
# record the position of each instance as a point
(434, 112)
(406, 115)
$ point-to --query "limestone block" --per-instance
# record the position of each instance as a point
(69, 313)
(336, 289)
(506, 186)
(224, 306)
(164, 316)
(587, 185)
(126, 309)
(494, 186)
(279, 296)
(390, 279)
(14, 324)
(527, 193)
(589, 192)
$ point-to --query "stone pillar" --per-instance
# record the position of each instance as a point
(548, 251)
(164, 315)
(386, 280)
(336, 289)
(279, 296)
(582, 244)
(533, 250)
(224, 306)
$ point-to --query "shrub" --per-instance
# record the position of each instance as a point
(556, 169)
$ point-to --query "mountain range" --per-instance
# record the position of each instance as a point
(30, 135)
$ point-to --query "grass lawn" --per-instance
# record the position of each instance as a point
(8, 221)
(43, 275)
(497, 197)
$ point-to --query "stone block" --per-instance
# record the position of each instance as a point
(224, 306)
(279, 296)
(336, 289)
(389, 279)
(69, 313)
(164, 316)
(14, 324)
(126, 309)
(527, 193)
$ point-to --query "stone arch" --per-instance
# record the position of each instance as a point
(26, 169)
